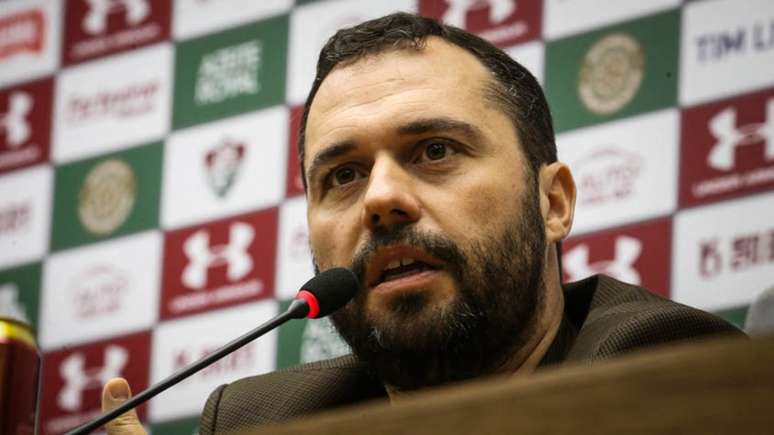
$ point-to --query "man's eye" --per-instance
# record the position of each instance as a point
(343, 175)
(436, 151)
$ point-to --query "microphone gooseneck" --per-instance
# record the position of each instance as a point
(320, 296)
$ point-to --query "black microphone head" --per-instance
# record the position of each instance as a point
(332, 289)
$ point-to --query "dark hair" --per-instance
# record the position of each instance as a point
(514, 89)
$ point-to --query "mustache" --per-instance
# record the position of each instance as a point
(407, 234)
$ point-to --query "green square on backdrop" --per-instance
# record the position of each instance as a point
(231, 72)
(107, 196)
(612, 73)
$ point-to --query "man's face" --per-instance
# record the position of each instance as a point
(418, 183)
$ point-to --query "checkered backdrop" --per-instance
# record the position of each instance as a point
(151, 207)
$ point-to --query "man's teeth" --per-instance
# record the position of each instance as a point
(398, 263)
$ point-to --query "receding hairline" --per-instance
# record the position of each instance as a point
(493, 92)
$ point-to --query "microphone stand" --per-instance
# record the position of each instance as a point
(298, 309)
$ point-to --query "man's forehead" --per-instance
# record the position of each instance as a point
(438, 75)
(437, 61)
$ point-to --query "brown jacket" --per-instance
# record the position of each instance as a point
(603, 318)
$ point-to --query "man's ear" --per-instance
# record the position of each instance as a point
(557, 200)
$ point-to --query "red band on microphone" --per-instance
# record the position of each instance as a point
(311, 300)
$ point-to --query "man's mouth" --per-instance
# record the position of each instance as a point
(402, 268)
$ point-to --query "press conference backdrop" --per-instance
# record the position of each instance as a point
(151, 206)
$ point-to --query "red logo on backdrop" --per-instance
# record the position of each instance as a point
(607, 175)
(23, 32)
(739, 253)
(25, 124)
(240, 360)
(294, 184)
(98, 27)
(501, 22)
(727, 148)
(639, 254)
(219, 264)
(73, 379)
(15, 218)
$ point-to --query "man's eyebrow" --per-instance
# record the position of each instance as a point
(330, 153)
(417, 127)
(430, 125)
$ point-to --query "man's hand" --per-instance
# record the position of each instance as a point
(116, 392)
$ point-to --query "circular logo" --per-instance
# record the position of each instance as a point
(107, 196)
(611, 73)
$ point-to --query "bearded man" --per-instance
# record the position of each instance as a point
(430, 169)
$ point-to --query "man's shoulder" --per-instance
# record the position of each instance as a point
(288, 393)
(613, 317)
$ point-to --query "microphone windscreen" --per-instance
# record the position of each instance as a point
(332, 289)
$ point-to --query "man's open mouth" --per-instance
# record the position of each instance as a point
(402, 268)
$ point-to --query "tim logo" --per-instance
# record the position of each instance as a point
(202, 256)
(78, 377)
(627, 251)
(502, 22)
(729, 136)
(14, 123)
(95, 20)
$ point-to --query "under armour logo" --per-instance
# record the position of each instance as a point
(78, 378)
(627, 251)
(499, 10)
(95, 20)
(202, 256)
(729, 136)
(14, 121)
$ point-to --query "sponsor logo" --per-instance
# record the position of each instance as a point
(95, 21)
(502, 22)
(611, 73)
(627, 251)
(23, 32)
(320, 341)
(75, 376)
(735, 139)
(637, 254)
(223, 164)
(241, 360)
(98, 27)
(128, 101)
(25, 119)
(757, 36)
(107, 196)
(15, 218)
(10, 305)
(79, 378)
(219, 264)
(607, 175)
(724, 128)
(98, 291)
(202, 256)
(14, 122)
(739, 253)
(228, 72)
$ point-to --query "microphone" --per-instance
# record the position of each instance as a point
(320, 296)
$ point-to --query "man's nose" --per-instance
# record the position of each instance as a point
(390, 197)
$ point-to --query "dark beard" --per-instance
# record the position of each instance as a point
(499, 288)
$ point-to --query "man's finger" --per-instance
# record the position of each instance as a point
(116, 392)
